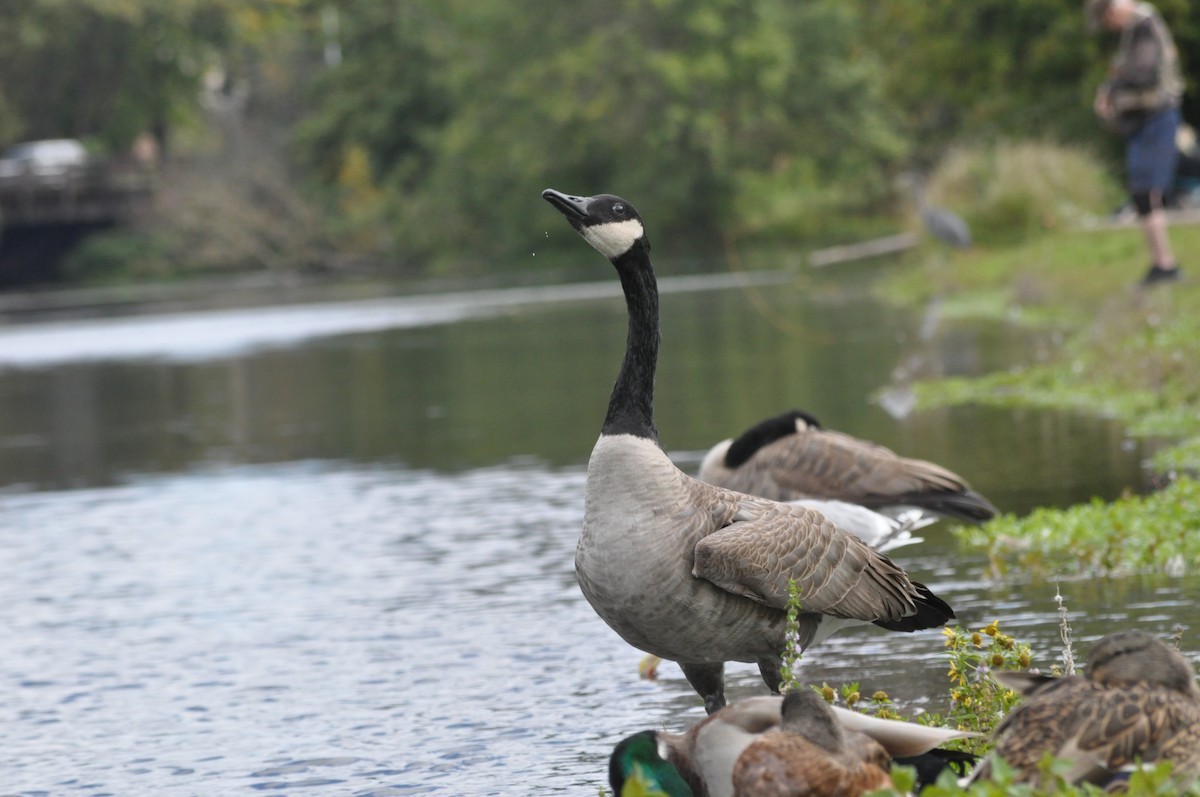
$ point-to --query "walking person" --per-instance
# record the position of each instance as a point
(1140, 101)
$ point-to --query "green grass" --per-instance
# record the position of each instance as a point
(1128, 353)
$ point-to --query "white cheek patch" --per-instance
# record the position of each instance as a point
(613, 238)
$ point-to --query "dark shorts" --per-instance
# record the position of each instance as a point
(1151, 154)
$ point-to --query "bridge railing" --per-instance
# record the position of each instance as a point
(91, 194)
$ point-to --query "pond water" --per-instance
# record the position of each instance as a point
(326, 548)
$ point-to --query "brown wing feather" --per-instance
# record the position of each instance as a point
(781, 764)
(1099, 727)
(832, 464)
(765, 545)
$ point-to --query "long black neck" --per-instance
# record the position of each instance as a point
(631, 406)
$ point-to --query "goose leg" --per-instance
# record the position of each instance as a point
(709, 682)
(772, 677)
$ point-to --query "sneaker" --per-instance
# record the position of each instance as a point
(1159, 274)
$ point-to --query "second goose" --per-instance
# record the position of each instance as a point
(792, 456)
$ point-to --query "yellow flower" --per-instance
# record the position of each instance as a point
(1024, 658)
(997, 660)
(977, 638)
(828, 693)
(881, 697)
(853, 698)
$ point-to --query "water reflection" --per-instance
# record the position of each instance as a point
(533, 382)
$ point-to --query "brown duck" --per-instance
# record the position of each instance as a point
(1137, 703)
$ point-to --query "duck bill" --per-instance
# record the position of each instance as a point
(575, 208)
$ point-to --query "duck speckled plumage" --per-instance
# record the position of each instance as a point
(691, 572)
(1138, 702)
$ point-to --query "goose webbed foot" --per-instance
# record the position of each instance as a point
(709, 682)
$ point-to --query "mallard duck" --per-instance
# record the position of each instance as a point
(1138, 702)
(792, 456)
(766, 746)
(695, 573)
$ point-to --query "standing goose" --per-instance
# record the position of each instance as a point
(694, 573)
(797, 743)
(1137, 703)
(792, 456)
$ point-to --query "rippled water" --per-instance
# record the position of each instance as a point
(220, 595)
(371, 631)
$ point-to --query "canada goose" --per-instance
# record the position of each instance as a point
(797, 743)
(1137, 702)
(694, 573)
(792, 456)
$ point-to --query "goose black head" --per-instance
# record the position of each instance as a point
(609, 223)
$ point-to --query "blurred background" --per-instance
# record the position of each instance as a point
(411, 137)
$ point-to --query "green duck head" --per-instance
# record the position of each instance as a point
(638, 768)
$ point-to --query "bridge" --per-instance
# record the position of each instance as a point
(43, 216)
(94, 194)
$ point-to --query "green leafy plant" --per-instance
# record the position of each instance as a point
(791, 645)
(1131, 534)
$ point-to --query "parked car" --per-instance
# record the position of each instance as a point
(44, 159)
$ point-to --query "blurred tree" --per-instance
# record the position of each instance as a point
(105, 71)
(428, 127)
(985, 69)
(467, 110)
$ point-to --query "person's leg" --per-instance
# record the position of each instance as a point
(1152, 156)
(1154, 226)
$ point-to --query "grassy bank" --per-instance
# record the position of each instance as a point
(1121, 351)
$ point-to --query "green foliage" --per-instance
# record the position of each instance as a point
(791, 645)
(429, 139)
(104, 71)
(1124, 353)
(117, 256)
(1133, 533)
(1010, 190)
(1152, 782)
(978, 703)
(978, 71)
(1180, 457)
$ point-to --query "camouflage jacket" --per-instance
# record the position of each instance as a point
(1145, 75)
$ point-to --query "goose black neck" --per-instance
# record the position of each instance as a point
(631, 406)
